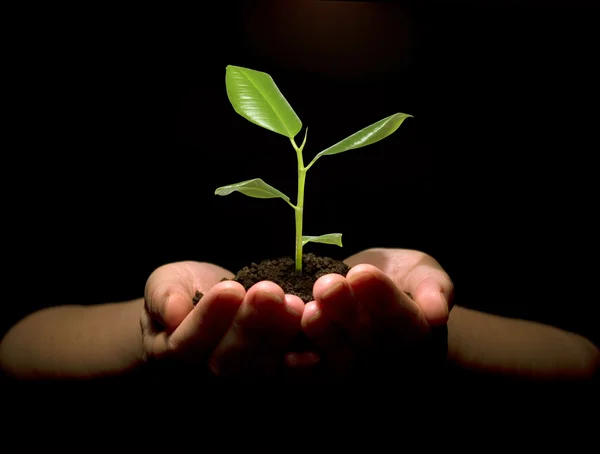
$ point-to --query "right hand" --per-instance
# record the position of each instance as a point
(233, 332)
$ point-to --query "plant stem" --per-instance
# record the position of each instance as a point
(299, 208)
(299, 213)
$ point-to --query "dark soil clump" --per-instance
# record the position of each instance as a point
(282, 271)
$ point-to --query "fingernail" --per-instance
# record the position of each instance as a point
(317, 324)
(445, 301)
(292, 309)
(316, 316)
(266, 299)
(332, 290)
(292, 359)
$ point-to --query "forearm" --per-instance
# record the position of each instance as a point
(75, 342)
(501, 346)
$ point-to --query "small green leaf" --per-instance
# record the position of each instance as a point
(253, 188)
(254, 95)
(330, 238)
(366, 136)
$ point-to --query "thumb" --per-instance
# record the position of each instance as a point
(434, 293)
(171, 288)
(168, 305)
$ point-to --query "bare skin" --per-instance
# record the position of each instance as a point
(390, 298)
(246, 333)
(352, 315)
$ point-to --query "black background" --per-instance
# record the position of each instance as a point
(120, 130)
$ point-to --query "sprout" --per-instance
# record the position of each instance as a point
(254, 95)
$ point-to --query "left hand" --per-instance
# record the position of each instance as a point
(230, 331)
(380, 313)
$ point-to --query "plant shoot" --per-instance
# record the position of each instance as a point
(254, 95)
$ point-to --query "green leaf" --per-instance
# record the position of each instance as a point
(254, 95)
(330, 238)
(253, 188)
(366, 136)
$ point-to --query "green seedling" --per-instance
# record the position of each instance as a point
(254, 95)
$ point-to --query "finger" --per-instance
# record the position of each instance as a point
(417, 273)
(302, 367)
(431, 287)
(171, 288)
(390, 310)
(207, 323)
(261, 332)
(331, 340)
(301, 360)
(294, 305)
(336, 298)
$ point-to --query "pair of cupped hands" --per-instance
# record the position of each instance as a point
(388, 303)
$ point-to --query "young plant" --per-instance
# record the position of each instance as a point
(254, 95)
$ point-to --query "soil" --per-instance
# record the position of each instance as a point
(282, 271)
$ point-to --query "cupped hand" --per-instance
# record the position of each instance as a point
(380, 313)
(388, 303)
(234, 332)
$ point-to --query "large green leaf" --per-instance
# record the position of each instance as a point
(366, 136)
(253, 188)
(330, 238)
(254, 95)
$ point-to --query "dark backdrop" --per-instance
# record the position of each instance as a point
(121, 131)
